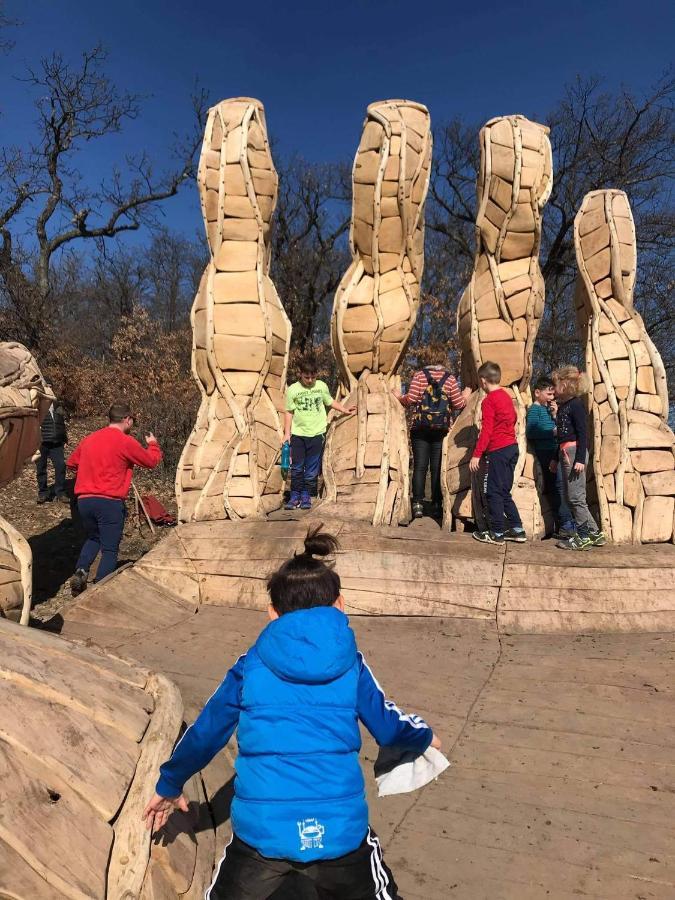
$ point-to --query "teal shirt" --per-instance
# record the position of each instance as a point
(540, 428)
(308, 406)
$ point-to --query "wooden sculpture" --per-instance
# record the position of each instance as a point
(500, 310)
(82, 735)
(24, 401)
(241, 334)
(633, 448)
(366, 456)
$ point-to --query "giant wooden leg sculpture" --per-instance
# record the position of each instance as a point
(241, 334)
(24, 401)
(366, 457)
(500, 311)
(633, 447)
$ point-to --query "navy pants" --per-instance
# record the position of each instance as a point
(103, 522)
(306, 455)
(55, 453)
(503, 512)
(427, 448)
(553, 488)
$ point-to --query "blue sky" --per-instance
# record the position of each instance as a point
(317, 65)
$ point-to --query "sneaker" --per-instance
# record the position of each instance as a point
(488, 537)
(78, 583)
(576, 542)
(437, 511)
(43, 499)
(515, 534)
(293, 501)
(597, 538)
(63, 498)
(564, 534)
(305, 500)
(417, 509)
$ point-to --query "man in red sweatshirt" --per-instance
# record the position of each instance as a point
(497, 440)
(104, 462)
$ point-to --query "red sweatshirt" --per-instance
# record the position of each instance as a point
(497, 429)
(105, 460)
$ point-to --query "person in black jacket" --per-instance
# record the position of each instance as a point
(54, 436)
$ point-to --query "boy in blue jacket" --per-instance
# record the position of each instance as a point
(296, 698)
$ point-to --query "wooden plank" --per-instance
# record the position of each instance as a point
(94, 759)
(59, 835)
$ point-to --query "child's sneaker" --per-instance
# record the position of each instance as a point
(515, 534)
(564, 533)
(417, 509)
(293, 501)
(488, 537)
(305, 500)
(576, 542)
(598, 538)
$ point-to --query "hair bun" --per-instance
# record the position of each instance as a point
(320, 543)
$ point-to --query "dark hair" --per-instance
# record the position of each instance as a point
(304, 582)
(491, 372)
(543, 383)
(119, 411)
(308, 364)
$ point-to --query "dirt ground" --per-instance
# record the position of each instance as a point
(54, 532)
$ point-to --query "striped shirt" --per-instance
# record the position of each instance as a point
(419, 383)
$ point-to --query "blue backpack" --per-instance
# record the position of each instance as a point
(433, 410)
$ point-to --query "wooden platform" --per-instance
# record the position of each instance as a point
(415, 571)
(562, 782)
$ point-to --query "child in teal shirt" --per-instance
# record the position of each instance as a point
(541, 433)
(305, 426)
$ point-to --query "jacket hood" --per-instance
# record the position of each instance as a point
(311, 646)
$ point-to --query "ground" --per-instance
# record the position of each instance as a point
(53, 531)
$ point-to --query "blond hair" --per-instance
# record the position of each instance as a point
(574, 382)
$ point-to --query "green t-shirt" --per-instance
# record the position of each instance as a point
(308, 406)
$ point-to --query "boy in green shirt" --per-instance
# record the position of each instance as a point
(541, 433)
(305, 426)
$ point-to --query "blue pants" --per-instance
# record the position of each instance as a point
(306, 455)
(503, 512)
(553, 489)
(103, 522)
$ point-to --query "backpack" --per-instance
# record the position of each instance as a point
(156, 511)
(433, 410)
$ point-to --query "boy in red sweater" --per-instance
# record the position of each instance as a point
(497, 442)
(104, 462)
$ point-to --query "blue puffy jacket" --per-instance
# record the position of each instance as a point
(296, 697)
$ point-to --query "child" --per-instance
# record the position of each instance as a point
(296, 698)
(573, 457)
(541, 433)
(305, 427)
(497, 440)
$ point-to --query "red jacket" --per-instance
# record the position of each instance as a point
(497, 429)
(105, 460)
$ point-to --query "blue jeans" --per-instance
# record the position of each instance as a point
(103, 521)
(306, 455)
(501, 466)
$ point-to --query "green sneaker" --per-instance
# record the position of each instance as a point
(597, 538)
(576, 542)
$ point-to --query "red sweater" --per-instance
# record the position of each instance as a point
(105, 460)
(497, 429)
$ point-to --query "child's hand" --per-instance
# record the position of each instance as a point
(349, 410)
(474, 464)
(466, 393)
(579, 468)
(435, 743)
(158, 810)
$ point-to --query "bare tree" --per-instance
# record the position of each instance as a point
(600, 140)
(42, 190)
(309, 246)
(173, 266)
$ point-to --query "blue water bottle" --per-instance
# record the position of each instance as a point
(285, 461)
